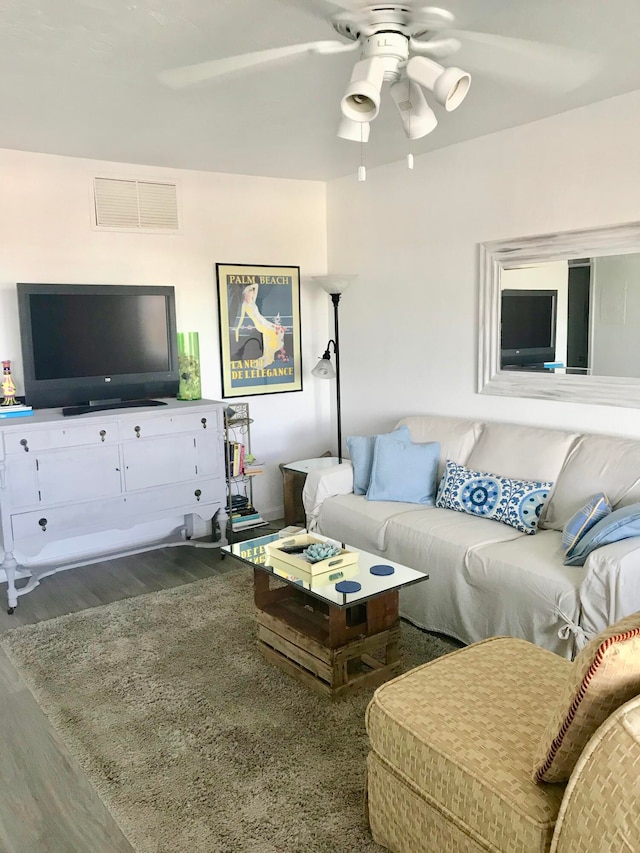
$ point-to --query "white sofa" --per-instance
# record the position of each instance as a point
(487, 578)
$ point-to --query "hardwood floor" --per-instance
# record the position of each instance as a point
(46, 803)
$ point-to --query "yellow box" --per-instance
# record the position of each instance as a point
(298, 562)
(284, 570)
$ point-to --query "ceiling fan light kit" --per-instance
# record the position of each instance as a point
(389, 38)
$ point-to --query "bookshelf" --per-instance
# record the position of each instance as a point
(241, 468)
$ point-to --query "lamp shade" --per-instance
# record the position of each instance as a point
(324, 369)
(334, 283)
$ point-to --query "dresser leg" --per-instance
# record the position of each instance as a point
(9, 564)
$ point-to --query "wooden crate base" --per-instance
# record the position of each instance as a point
(366, 661)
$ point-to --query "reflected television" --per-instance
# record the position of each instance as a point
(528, 328)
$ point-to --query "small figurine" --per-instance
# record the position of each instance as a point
(8, 387)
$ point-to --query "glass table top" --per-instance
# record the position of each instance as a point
(305, 466)
(254, 553)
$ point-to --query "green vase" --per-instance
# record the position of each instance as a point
(189, 366)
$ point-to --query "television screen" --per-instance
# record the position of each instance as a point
(87, 344)
(528, 326)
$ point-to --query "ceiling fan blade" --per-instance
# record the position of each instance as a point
(436, 48)
(188, 75)
(529, 63)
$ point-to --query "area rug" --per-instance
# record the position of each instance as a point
(192, 740)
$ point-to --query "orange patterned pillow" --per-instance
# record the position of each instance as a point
(605, 675)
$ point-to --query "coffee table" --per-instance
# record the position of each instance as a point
(334, 642)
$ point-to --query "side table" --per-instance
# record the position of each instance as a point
(294, 475)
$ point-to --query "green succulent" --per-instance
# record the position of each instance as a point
(320, 551)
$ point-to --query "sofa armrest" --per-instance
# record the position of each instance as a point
(325, 483)
(611, 586)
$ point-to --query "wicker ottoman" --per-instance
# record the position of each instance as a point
(452, 745)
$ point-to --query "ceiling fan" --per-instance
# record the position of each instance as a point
(400, 43)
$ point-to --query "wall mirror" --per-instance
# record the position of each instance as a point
(560, 316)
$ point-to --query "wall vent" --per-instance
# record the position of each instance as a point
(125, 205)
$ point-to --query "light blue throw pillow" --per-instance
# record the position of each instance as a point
(514, 502)
(622, 523)
(403, 471)
(596, 508)
(361, 455)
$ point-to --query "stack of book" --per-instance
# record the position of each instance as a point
(17, 411)
(245, 518)
(253, 467)
(234, 456)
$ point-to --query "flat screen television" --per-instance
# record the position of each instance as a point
(528, 327)
(97, 346)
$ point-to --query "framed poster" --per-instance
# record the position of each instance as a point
(259, 316)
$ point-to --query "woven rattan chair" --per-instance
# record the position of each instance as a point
(453, 747)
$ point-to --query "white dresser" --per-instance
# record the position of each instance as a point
(62, 477)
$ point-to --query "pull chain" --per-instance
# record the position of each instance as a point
(362, 172)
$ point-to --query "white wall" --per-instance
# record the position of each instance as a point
(47, 237)
(413, 236)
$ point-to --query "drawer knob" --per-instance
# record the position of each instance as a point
(198, 493)
(25, 445)
(137, 429)
(43, 524)
(103, 432)
(203, 421)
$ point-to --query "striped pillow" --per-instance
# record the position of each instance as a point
(595, 508)
(604, 676)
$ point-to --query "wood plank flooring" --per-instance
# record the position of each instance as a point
(46, 803)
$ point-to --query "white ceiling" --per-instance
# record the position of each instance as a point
(79, 78)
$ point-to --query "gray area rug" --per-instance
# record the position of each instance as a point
(192, 740)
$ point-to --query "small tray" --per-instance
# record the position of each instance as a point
(298, 562)
(295, 575)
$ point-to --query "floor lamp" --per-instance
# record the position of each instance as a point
(335, 286)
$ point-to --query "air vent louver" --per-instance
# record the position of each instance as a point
(127, 205)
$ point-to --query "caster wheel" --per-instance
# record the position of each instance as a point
(10, 610)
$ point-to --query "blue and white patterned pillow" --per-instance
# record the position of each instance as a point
(596, 508)
(517, 503)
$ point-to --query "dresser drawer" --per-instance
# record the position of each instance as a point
(197, 496)
(150, 426)
(30, 438)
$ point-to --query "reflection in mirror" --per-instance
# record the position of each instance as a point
(579, 316)
(559, 316)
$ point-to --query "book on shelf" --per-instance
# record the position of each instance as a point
(244, 525)
(234, 456)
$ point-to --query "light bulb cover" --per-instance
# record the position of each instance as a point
(354, 131)
(336, 283)
(324, 369)
(449, 85)
(361, 101)
(418, 119)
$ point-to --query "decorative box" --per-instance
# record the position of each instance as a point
(298, 563)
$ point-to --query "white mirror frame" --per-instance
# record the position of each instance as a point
(511, 254)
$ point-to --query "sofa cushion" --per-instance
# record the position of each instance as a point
(457, 436)
(517, 503)
(358, 522)
(403, 471)
(597, 463)
(523, 452)
(461, 731)
(622, 523)
(361, 449)
(596, 508)
(605, 675)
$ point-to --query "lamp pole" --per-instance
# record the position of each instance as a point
(335, 298)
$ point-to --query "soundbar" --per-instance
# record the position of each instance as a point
(102, 407)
